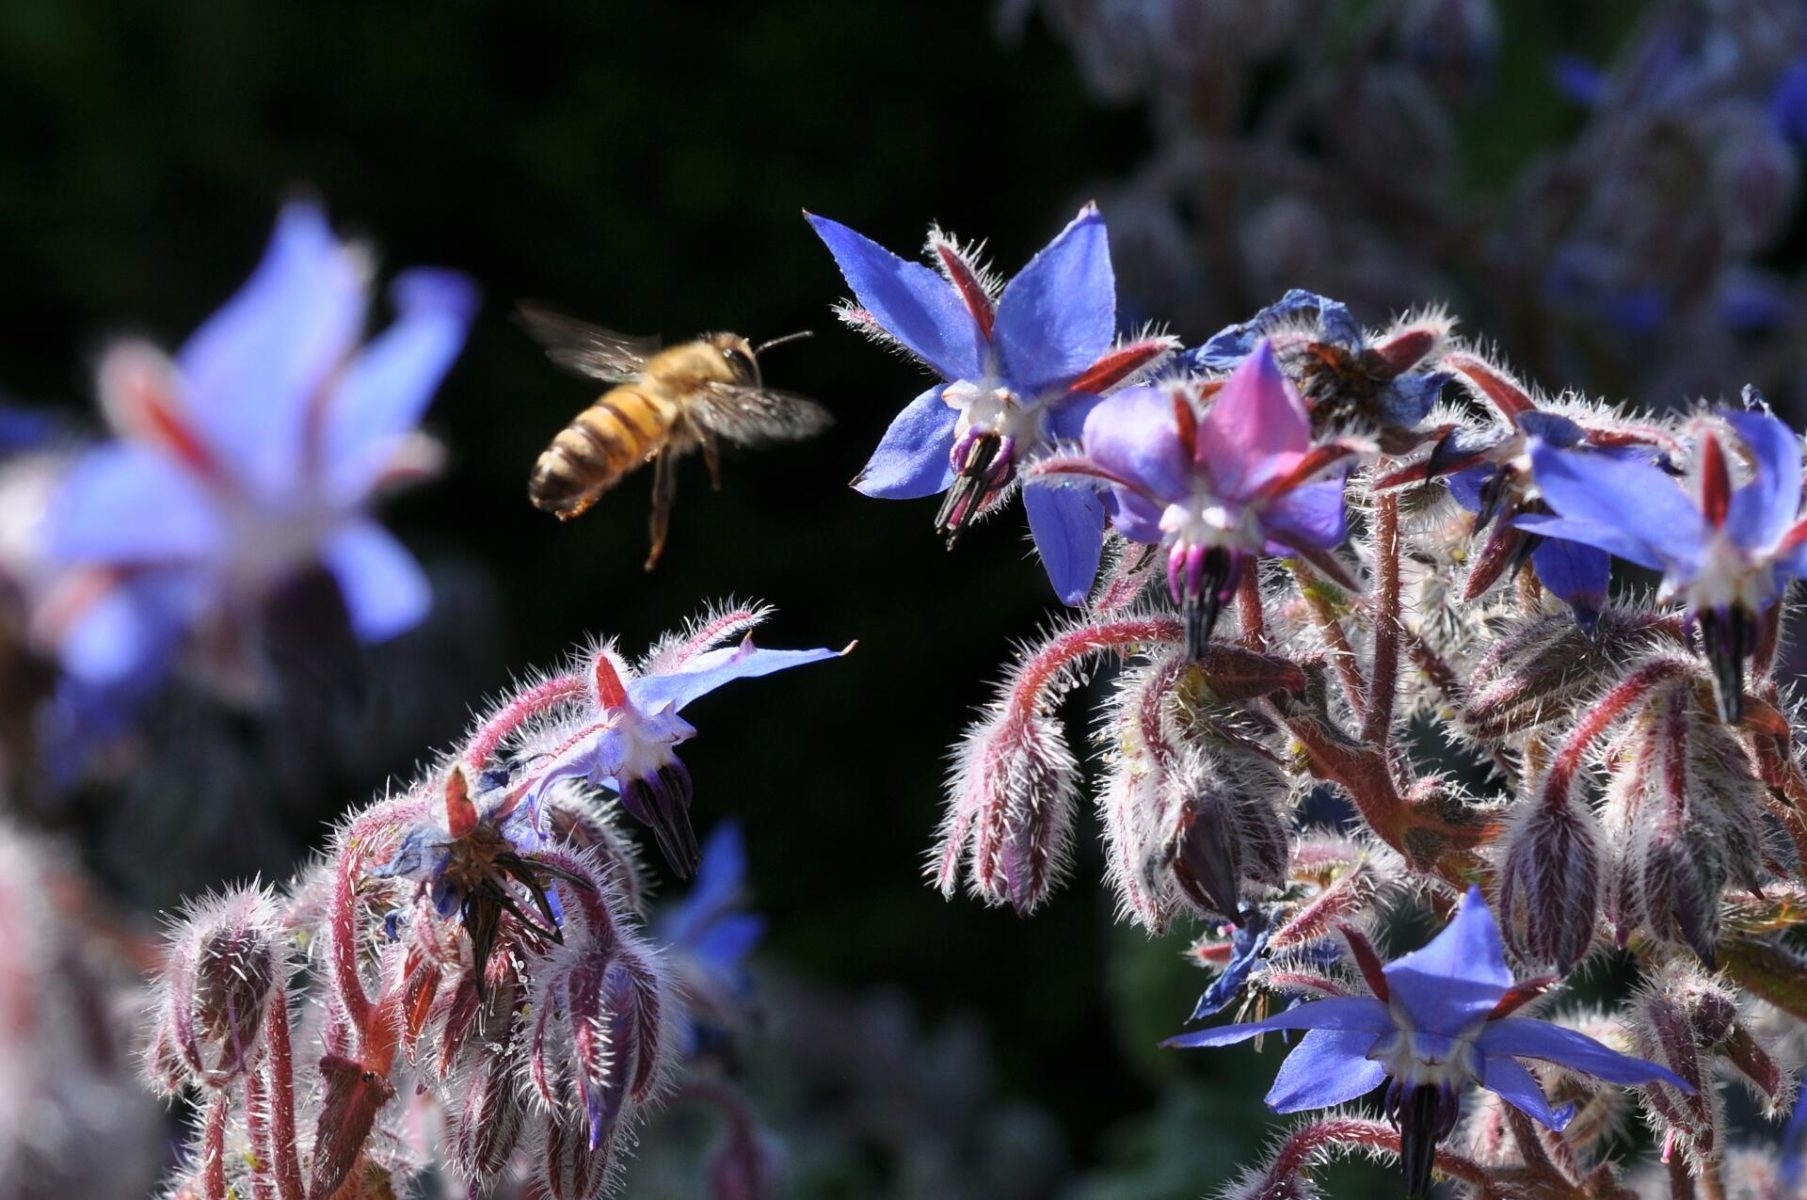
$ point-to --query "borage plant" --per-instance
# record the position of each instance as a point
(1389, 559)
(473, 948)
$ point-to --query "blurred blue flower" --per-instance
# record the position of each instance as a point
(630, 747)
(1019, 371)
(709, 935)
(251, 457)
(1726, 553)
(1439, 1019)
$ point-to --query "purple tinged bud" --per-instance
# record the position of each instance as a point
(571, 1168)
(1014, 788)
(1549, 668)
(485, 1113)
(1205, 858)
(1551, 878)
(1684, 807)
(224, 965)
(1226, 831)
(1663, 1031)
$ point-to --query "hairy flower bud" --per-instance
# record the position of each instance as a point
(1663, 1031)
(1547, 667)
(597, 1037)
(225, 963)
(1224, 833)
(1551, 878)
(571, 1166)
(1013, 788)
(486, 1109)
(1683, 807)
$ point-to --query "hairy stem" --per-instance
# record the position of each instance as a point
(1383, 680)
(517, 712)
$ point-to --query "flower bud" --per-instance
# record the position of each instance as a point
(1547, 667)
(485, 1112)
(1683, 806)
(224, 965)
(1551, 879)
(1224, 833)
(1663, 1031)
(1013, 791)
(571, 1167)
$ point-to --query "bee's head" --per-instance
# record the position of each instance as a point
(738, 353)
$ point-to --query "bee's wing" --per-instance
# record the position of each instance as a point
(755, 416)
(585, 348)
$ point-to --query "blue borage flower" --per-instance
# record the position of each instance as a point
(630, 741)
(250, 457)
(1216, 488)
(1488, 472)
(1726, 553)
(1439, 1019)
(1340, 374)
(1020, 370)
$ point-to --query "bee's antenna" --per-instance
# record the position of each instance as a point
(779, 341)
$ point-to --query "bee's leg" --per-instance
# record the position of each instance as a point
(665, 487)
(712, 458)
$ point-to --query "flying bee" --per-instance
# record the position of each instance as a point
(663, 405)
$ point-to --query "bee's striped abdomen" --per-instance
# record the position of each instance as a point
(605, 442)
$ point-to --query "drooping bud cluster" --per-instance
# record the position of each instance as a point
(474, 942)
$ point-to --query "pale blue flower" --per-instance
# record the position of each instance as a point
(251, 457)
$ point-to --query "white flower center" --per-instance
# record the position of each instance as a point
(1203, 519)
(645, 741)
(1728, 577)
(987, 406)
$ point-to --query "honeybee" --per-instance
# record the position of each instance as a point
(663, 405)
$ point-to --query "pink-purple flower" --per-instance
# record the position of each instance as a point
(251, 457)
(1439, 1019)
(1216, 488)
(1020, 370)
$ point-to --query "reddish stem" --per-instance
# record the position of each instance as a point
(259, 1130)
(342, 917)
(213, 1147)
(1383, 680)
(1342, 654)
(281, 1066)
(1301, 1149)
(1248, 602)
(517, 712)
(1603, 712)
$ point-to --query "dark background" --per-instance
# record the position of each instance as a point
(645, 166)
